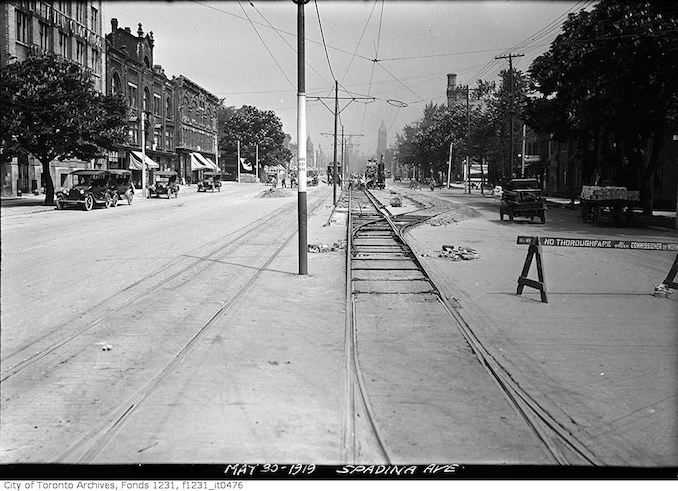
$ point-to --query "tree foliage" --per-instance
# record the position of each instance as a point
(252, 126)
(52, 111)
(610, 80)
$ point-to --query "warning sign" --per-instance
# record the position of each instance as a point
(599, 243)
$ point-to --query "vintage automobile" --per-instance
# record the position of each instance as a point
(522, 197)
(164, 183)
(87, 188)
(121, 186)
(211, 181)
(312, 178)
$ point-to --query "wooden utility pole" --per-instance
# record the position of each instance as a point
(468, 140)
(510, 59)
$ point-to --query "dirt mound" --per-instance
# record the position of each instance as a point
(456, 213)
(276, 193)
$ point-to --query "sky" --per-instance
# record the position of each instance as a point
(245, 53)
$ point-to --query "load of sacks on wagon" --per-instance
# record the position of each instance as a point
(604, 193)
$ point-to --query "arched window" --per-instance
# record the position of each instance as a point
(147, 62)
(116, 87)
(147, 97)
(168, 108)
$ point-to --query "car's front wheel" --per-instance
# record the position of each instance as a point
(88, 203)
(114, 199)
(108, 201)
(130, 197)
(59, 205)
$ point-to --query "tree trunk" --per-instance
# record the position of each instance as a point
(649, 166)
(49, 184)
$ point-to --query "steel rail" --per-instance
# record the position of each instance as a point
(34, 358)
(353, 369)
(96, 440)
(527, 407)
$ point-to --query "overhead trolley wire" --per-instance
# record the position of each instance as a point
(313, 41)
(322, 35)
(288, 43)
(359, 40)
(266, 46)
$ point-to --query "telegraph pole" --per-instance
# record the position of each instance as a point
(301, 140)
(256, 158)
(334, 165)
(344, 140)
(238, 164)
(343, 167)
(510, 59)
(468, 140)
(336, 113)
(143, 154)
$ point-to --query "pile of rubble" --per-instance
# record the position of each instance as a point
(276, 193)
(337, 246)
(396, 201)
(458, 253)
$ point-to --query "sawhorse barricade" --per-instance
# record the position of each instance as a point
(535, 252)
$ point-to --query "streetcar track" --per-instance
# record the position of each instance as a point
(561, 444)
(29, 361)
(95, 441)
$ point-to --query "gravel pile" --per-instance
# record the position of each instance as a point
(276, 193)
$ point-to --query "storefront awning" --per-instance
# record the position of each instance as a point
(212, 164)
(199, 162)
(135, 161)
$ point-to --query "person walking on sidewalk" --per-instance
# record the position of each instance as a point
(432, 185)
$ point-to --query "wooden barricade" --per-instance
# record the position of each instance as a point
(535, 252)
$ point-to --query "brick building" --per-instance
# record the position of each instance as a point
(150, 94)
(68, 28)
(196, 138)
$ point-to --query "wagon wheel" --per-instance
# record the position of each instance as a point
(88, 204)
(584, 214)
(595, 214)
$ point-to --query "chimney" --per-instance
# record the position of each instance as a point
(114, 24)
(128, 30)
(451, 88)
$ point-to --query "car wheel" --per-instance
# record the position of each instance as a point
(89, 203)
(108, 201)
(59, 205)
(130, 197)
(114, 201)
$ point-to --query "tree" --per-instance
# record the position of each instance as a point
(52, 111)
(252, 127)
(610, 80)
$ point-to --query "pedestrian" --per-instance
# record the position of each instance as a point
(284, 182)
(274, 183)
(432, 185)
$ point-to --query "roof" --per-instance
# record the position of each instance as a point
(89, 172)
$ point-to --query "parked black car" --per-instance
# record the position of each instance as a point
(121, 185)
(210, 181)
(88, 188)
(164, 182)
